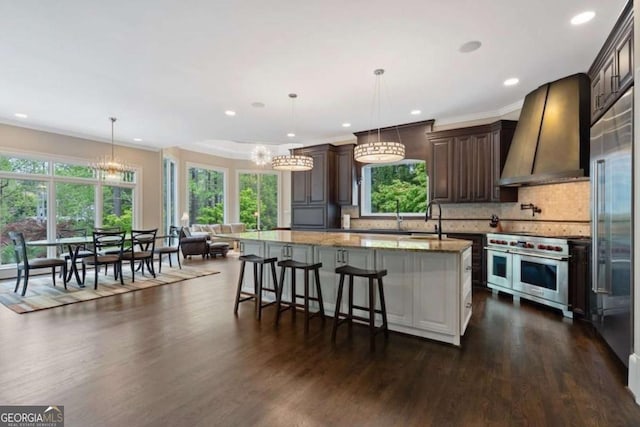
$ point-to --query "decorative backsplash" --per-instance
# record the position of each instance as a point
(565, 211)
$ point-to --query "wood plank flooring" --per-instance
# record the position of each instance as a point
(177, 356)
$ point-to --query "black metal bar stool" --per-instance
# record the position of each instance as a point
(257, 282)
(347, 270)
(293, 304)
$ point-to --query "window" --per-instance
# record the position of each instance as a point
(258, 199)
(41, 198)
(401, 186)
(206, 195)
(169, 194)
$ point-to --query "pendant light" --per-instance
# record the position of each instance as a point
(379, 151)
(111, 168)
(292, 162)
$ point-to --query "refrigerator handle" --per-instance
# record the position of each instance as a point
(599, 282)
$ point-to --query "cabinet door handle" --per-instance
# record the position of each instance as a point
(468, 268)
(468, 305)
(346, 261)
(241, 247)
(615, 78)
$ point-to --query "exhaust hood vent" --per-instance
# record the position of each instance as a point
(551, 140)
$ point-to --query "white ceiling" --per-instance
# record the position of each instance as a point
(169, 69)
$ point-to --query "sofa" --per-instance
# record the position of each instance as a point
(214, 231)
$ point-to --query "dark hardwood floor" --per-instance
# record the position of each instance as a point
(176, 355)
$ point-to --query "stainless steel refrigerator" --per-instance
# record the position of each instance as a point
(612, 227)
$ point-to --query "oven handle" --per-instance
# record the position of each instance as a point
(555, 258)
(506, 251)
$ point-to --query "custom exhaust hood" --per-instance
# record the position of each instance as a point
(551, 140)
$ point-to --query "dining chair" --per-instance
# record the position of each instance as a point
(114, 242)
(75, 251)
(107, 250)
(24, 264)
(143, 244)
(169, 249)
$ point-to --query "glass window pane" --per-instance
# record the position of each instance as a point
(75, 208)
(206, 196)
(64, 169)
(18, 165)
(169, 196)
(403, 186)
(263, 186)
(117, 207)
(23, 207)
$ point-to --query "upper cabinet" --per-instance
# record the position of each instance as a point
(313, 193)
(612, 71)
(345, 174)
(465, 164)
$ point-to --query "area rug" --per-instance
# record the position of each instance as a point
(42, 295)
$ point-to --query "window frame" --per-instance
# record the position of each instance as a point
(365, 188)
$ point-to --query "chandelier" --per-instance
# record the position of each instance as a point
(110, 167)
(292, 162)
(261, 155)
(379, 151)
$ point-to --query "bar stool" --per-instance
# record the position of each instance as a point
(296, 265)
(347, 270)
(257, 282)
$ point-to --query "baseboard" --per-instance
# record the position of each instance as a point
(634, 376)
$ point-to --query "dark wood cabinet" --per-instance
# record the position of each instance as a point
(313, 195)
(441, 171)
(466, 164)
(478, 260)
(579, 276)
(612, 71)
(345, 174)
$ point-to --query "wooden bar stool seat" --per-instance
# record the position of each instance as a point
(258, 287)
(339, 318)
(293, 304)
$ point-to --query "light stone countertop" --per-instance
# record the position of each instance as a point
(356, 240)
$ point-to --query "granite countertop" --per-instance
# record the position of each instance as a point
(356, 240)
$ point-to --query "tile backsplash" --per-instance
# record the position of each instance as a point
(565, 211)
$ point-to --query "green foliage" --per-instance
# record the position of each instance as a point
(268, 200)
(123, 221)
(206, 196)
(211, 215)
(403, 183)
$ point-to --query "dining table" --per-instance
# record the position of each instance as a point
(73, 246)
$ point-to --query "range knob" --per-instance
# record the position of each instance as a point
(542, 246)
(492, 241)
(529, 245)
(512, 243)
(557, 249)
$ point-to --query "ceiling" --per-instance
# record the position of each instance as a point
(168, 70)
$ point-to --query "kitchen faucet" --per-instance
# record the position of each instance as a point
(428, 216)
(398, 216)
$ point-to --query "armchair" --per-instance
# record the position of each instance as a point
(193, 245)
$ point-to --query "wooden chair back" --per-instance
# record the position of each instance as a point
(19, 248)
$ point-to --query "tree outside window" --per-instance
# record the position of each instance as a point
(387, 187)
(259, 200)
(206, 196)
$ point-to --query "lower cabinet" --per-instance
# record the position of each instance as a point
(579, 277)
(283, 251)
(334, 257)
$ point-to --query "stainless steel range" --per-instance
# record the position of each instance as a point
(531, 267)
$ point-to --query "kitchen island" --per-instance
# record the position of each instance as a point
(427, 289)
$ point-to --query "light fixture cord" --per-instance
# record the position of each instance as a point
(388, 93)
(113, 120)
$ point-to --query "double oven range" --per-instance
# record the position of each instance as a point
(531, 267)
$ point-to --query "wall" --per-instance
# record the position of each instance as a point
(28, 141)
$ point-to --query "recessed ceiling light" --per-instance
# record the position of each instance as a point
(511, 82)
(415, 112)
(346, 125)
(257, 104)
(470, 46)
(137, 139)
(21, 115)
(230, 113)
(583, 18)
(291, 134)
